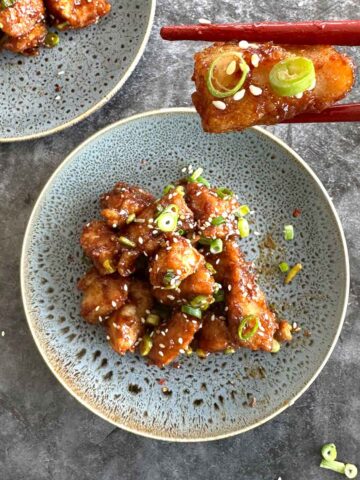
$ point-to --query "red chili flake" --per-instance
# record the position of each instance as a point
(57, 88)
(296, 212)
(162, 381)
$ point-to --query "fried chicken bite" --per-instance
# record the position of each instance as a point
(172, 338)
(172, 264)
(145, 235)
(200, 283)
(76, 13)
(101, 245)
(246, 302)
(101, 295)
(214, 210)
(214, 335)
(20, 19)
(126, 326)
(122, 201)
(29, 43)
(257, 103)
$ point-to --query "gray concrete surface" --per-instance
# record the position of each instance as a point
(44, 432)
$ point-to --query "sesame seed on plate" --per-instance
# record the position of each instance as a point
(204, 21)
(256, 91)
(2, 333)
(239, 95)
(107, 337)
(219, 104)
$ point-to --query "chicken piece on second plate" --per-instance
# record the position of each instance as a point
(214, 210)
(123, 201)
(101, 295)
(247, 306)
(256, 102)
(214, 335)
(173, 338)
(126, 326)
(29, 43)
(173, 263)
(101, 245)
(76, 13)
(20, 19)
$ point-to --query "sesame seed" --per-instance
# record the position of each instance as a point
(239, 95)
(107, 337)
(114, 304)
(58, 98)
(229, 288)
(2, 333)
(256, 233)
(97, 308)
(161, 345)
(219, 104)
(230, 69)
(299, 95)
(204, 21)
(255, 60)
(243, 44)
(163, 333)
(183, 169)
(180, 340)
(61, 72)
(141, 241)
(114, 225)
(161, 353)
(256, 91)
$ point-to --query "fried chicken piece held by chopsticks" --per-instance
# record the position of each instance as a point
(257, 102)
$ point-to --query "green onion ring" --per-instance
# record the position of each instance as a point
(245, 322)
(228, 92)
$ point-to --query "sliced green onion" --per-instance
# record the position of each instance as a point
(6, 3)
(108, 266)
(244, 210)
(338, 467)
(201, 353)
(180, 190)
(224, 193)
(292, 76)
(194, 312)
(245, 323)
(328, 451)
(169, 277)
(205, 241)
(216, 246)
(351, 471)
(284, 267)
(289, 232)
(127, 242)
(203, 181)
(243, 227)
(226, 92)
(195, 174)
(292, 273)
(218, 220)
(153, 319)
(145, 345)
(167, 220)
(219, 296)
(168, 188)
(210, 268)
(229, 350)
(130, 218)
(181, 231)
(62, 26)
(201, 302)
(275, 346)
(51, 40)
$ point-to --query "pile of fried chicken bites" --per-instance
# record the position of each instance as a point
(169, 276)
(24, 23)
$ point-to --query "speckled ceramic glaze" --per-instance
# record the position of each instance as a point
(206, 399)
(89, 65)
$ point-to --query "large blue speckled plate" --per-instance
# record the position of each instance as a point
(210, 398)
(89, 65)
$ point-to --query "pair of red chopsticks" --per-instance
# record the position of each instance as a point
(344, 32)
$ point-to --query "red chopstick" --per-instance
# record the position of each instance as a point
(343, 32)
(338, 113)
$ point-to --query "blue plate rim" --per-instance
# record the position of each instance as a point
(37, 207)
